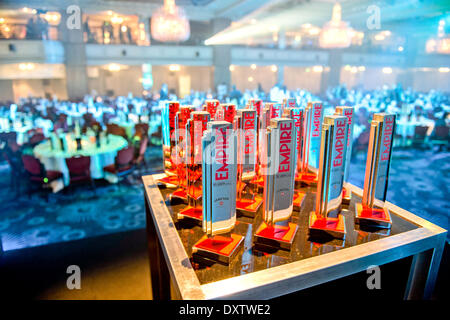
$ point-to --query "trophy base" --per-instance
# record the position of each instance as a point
(218, 248)
(259, 182)
(307, 178)
(346, 196)
(249, 207)
(170, 172)
(275, 236)
(298, 199)
(372, 217)
(192, 213)
(334, 227)
(180, 193)
(169, 181)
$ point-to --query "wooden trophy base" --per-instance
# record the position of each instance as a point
(191, 213)
(372, 217)
(217, 248)
(275, 236)
(169, 181)
(320, 226)
(249, 207)
(298, 199)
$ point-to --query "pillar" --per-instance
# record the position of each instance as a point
(221, 55)
(333, 76)
(74, 56)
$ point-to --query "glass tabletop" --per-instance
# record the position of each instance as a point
(249, 259)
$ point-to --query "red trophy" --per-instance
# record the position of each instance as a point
(195, 127)
(278, 170)
(382, 130)
(296, 114)
(211, 107)
(247, 200)
(327, 217)
(219, 195)
(178, 154)
(168, 113)
(348, 112)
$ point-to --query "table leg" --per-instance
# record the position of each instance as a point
(160, 277)
(423, 273)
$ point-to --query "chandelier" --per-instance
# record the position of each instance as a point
(170, 23)
(441, 44)
(336, 33)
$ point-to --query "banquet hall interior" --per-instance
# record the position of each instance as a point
(83, 84)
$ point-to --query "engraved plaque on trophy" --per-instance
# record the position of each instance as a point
(195, 127)
(219, 194)
(327, 219)
(248, 201)
(168, 113)
(382, 130)
(348, 112)
(279, 176)
(313, 117)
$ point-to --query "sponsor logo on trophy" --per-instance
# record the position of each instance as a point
(371, 212)
(195, 127)
(168, 114)
(219, 170)
(348, 112)
(326, 219)
(278, 170)
(313, 118)
(248, 201)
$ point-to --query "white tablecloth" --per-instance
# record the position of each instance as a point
(100, 157)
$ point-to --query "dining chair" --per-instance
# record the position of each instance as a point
(80, 170)
(37, 175)
(123, 164)
(139, 161)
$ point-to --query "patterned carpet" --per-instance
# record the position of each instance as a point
(419, 182)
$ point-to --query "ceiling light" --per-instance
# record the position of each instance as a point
(336, 33)
(170, 23)
(444, 69)
(250, 79)
(174, 67)
(253, 67)
(317, 69)
(274, 68)
(387, 70)
(231, 68)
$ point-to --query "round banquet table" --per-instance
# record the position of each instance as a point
(100, 157)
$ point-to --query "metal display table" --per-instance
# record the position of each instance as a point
(264, 275)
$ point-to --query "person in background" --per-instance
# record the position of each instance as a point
(164, 93)
(87, 31)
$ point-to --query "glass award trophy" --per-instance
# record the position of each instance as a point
(195, 127)
(348, 112)
(248, 201)
(326, 219)
(226, 112)
(168, 113)
(382, 130)
(313, 118)
(296, 114)
(263, 123)
(279, 177)
(219, 194)
(276, 110)
(178, 153)
(211, 106)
